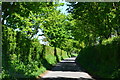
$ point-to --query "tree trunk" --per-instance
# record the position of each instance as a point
(55, 53)
(61, 55)
(43, 51)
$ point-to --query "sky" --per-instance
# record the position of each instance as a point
(63, 8)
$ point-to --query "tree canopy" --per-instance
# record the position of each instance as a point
(95, 20)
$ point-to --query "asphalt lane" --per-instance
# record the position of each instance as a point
(67, 69)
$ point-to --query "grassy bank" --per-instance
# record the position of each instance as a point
(34, 67)
(102, 60)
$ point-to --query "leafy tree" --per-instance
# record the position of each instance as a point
(95, 20)
(24, 55)
(25, 17)
(54, 29)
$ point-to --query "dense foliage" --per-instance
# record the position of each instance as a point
(95, 21)
(95, 26)
(22, 52)
(26, 57)
(91, 29)
(103, 60)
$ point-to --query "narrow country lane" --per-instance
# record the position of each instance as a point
(67, 69)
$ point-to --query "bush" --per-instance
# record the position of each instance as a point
(102, 60)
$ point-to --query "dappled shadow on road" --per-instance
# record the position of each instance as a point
(67, 65)
(67, 69)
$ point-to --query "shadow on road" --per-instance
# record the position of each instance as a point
(67, 65)
(67, 69)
